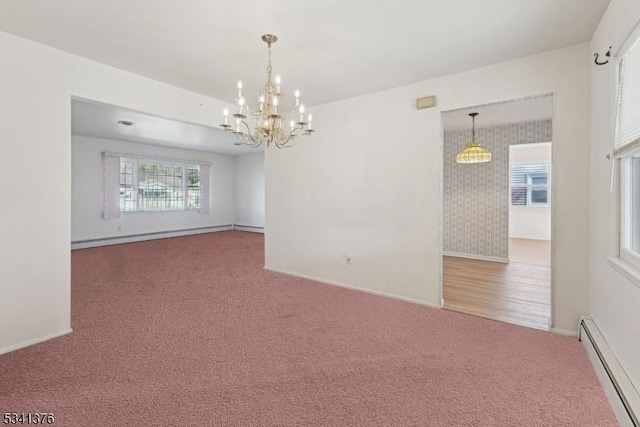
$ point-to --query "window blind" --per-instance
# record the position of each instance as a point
(520, 173)
(529, 184)
(628, 116)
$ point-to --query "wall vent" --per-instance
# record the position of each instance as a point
(426, 102)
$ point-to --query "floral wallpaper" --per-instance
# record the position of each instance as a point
(476, 196)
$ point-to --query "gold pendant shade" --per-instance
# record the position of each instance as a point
(473, 152)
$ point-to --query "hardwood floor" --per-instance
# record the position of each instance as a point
(516, 293)
(528, 251)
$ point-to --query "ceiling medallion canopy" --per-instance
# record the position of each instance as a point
(473, 152)
(274, 122)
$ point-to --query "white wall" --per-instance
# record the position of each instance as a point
(87, 197)
(530, 222)
(37, 83)
(368, 183)
(249, 183)
(615, 300)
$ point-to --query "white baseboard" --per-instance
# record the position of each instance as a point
(34, 341)
(249, 228)
(564, 332)
(621, 393)
(474, 256)
(355, 288)
(116, 240)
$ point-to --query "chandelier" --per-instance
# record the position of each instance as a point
(274, 123)
(473, 152)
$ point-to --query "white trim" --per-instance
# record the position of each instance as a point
(633, 36)
(354, 288)
(116, 240)
(35, 341)
(627, 149)
(564, 332)
(616, 384)
(630, 257)
(628, 270)
(474, 256)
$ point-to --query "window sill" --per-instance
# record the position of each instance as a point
(625, 268)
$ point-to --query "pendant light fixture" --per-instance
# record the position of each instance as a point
(473, 152)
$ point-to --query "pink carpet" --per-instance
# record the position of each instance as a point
(192, 331)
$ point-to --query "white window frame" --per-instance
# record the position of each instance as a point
(626, 205)
(111, 183)
(529, 186)
(624, 259)
(135, 184)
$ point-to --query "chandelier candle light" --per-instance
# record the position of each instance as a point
(473, 152)
(274, 123)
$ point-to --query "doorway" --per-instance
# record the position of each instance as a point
(497, 215)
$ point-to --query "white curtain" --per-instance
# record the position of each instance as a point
(111, 185)
(204, 189)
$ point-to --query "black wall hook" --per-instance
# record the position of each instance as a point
(607, 55)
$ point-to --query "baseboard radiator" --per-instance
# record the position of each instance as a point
(249, 228)
(141, 237)
(622, 395)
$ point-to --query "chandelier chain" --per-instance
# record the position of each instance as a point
(269, 69)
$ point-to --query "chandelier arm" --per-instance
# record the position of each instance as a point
(248, 137)
(249, 142)
(292, 137)
(254, 113)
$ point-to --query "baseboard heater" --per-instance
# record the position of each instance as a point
(622, 395)
(132, 238)
(249, 228)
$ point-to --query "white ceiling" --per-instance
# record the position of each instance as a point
(101, 121)
(328, 49)
(526, 110)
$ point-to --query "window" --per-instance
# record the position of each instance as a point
(631, 203)
(154, 186)
(530, 185)
(627, 150)
(142, 184)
